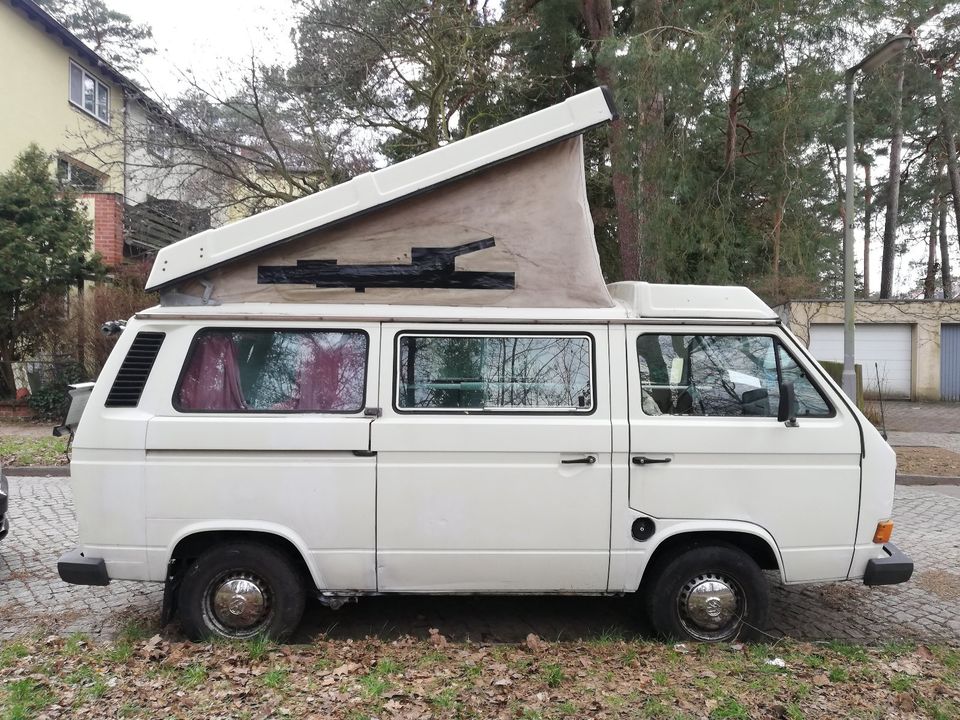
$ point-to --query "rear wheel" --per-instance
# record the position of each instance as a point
(241, 591)
(713, 593)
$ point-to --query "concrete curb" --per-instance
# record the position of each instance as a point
(927, 480)
(38, 471)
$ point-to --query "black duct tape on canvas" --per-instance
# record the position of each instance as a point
(429, 268)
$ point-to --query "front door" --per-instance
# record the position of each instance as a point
(493, 459)
(705, 443)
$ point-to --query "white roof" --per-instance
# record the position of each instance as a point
(198, 253)
(716, 302)
(634, 301)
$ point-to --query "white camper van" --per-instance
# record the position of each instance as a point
(418, 382)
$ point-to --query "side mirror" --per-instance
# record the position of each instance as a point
(787, 412)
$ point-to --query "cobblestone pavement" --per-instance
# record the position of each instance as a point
(34, 600)
(947, 441)
(928, 417)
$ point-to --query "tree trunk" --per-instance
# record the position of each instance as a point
(945, 254)
(598, 18)
(893, 192)
(733, 108)
(867, 222)
(8, 386)
(777, 223)
(949, 144)
(930, 281)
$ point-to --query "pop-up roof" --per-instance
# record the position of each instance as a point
(498, 218)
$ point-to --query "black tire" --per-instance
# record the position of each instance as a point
(681, 605)
(272, 608)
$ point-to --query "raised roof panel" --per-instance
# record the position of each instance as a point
(213, 248)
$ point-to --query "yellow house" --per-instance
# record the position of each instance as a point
(67, 99)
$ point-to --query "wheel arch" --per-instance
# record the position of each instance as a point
(752, 540)
(192, 541)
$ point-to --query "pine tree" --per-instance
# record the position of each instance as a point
(44, 245)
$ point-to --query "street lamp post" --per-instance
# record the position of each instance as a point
(890, 49)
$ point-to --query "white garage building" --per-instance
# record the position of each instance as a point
(911, 346)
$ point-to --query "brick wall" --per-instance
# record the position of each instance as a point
(15, 409)
(107, 226)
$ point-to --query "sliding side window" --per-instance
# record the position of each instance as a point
(490, 373)
(278, 371)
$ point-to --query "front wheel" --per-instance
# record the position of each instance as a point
(240, 591)
(713, 593)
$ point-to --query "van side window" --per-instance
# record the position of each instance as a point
(721, 376)
(491, 373)
(279, 371)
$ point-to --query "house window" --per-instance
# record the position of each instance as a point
(88, 93)
(505, 373)
(159, 140)
(77, 177)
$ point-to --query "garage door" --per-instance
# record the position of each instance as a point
(950, 362)
(889, 346)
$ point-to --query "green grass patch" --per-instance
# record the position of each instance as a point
(851, 652)
(838, 675)
(446, 699)
(25, 698)
(17, 451)
(75, 644)
(258, 648)
(275, 679)
(11, 653)
(193, 675)
(553, 675)
(729, 708)
(434, 657)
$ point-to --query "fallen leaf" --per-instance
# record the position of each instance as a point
(436, 639)
(906, 666)
(535, 644)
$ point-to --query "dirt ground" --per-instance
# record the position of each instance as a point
(927, 461)
(25, 428)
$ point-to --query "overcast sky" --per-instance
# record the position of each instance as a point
(208, 37)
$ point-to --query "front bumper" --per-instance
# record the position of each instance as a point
(78, 569)
(897, 567)
(4, 495)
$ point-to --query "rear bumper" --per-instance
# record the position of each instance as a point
(77, 569)
(4, 495)
(896, 567)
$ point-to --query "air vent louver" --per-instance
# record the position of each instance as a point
(132, 376)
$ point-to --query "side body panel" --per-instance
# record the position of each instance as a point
(481, 501)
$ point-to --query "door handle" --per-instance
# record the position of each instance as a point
(587, 460)
(641, 460)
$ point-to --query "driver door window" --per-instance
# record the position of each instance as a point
(720, 376)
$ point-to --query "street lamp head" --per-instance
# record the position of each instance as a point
(886, 52)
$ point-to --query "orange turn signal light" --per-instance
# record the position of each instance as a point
(884, 531)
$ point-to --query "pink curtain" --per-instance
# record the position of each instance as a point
(212, 380)
(319, 377)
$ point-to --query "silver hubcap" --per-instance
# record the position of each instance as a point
(239, 602)
(711, 606)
